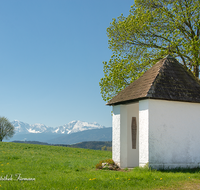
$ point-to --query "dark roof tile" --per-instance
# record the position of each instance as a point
(167, 79)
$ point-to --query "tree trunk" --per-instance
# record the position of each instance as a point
(196, 71)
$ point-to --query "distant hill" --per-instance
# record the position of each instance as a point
(104, 134)
(95, 145)
(73, 132)
(34, 137)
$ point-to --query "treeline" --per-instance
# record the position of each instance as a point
(31, 142)
(95, 145)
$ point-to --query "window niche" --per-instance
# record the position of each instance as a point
(134, 132)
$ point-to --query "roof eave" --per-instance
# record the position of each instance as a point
(126, 101)
(138, 99)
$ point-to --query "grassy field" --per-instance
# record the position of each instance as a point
(50, 167)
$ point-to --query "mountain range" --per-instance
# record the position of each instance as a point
(71, 127)
(73, 132)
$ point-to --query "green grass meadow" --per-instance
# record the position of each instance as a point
(55, 167)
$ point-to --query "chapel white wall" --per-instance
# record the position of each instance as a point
(122, 152)
(143, 132)
(116, 134)
(174, 129)
(123, 137)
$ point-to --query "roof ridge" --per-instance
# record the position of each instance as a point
(169, 57)
(167, 80)
(150, 89)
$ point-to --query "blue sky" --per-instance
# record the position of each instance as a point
(51, 54)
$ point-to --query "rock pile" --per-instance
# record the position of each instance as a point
(109, 166)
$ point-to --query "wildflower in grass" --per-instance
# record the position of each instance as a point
(90, 179)
(160, 178)
(188, 177)
(1, 164)
(2, 171)
(129, 179)
(117, 178)
(7, 163)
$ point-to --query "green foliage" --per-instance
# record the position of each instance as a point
(96, 145)
(109, 148)
(125, 169)
(7, 130)
(56, 167)
(103, 148)
(109, 161)
(152, 30)
(106, 148)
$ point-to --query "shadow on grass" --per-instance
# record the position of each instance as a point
(175, 170)
(182, 170)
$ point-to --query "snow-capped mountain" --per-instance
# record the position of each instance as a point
(77, 126)
(71, 127)
(25, 128)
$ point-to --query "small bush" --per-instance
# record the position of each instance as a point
(109, 161)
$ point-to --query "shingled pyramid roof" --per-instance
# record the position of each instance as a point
(167, 80)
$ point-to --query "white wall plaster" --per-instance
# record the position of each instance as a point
(174, 134)
(116, 134)
(123, 136)
(143, 132)
(122, 152)
(167, 135)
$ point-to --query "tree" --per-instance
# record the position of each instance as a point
(7, 130)
(152, 30)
